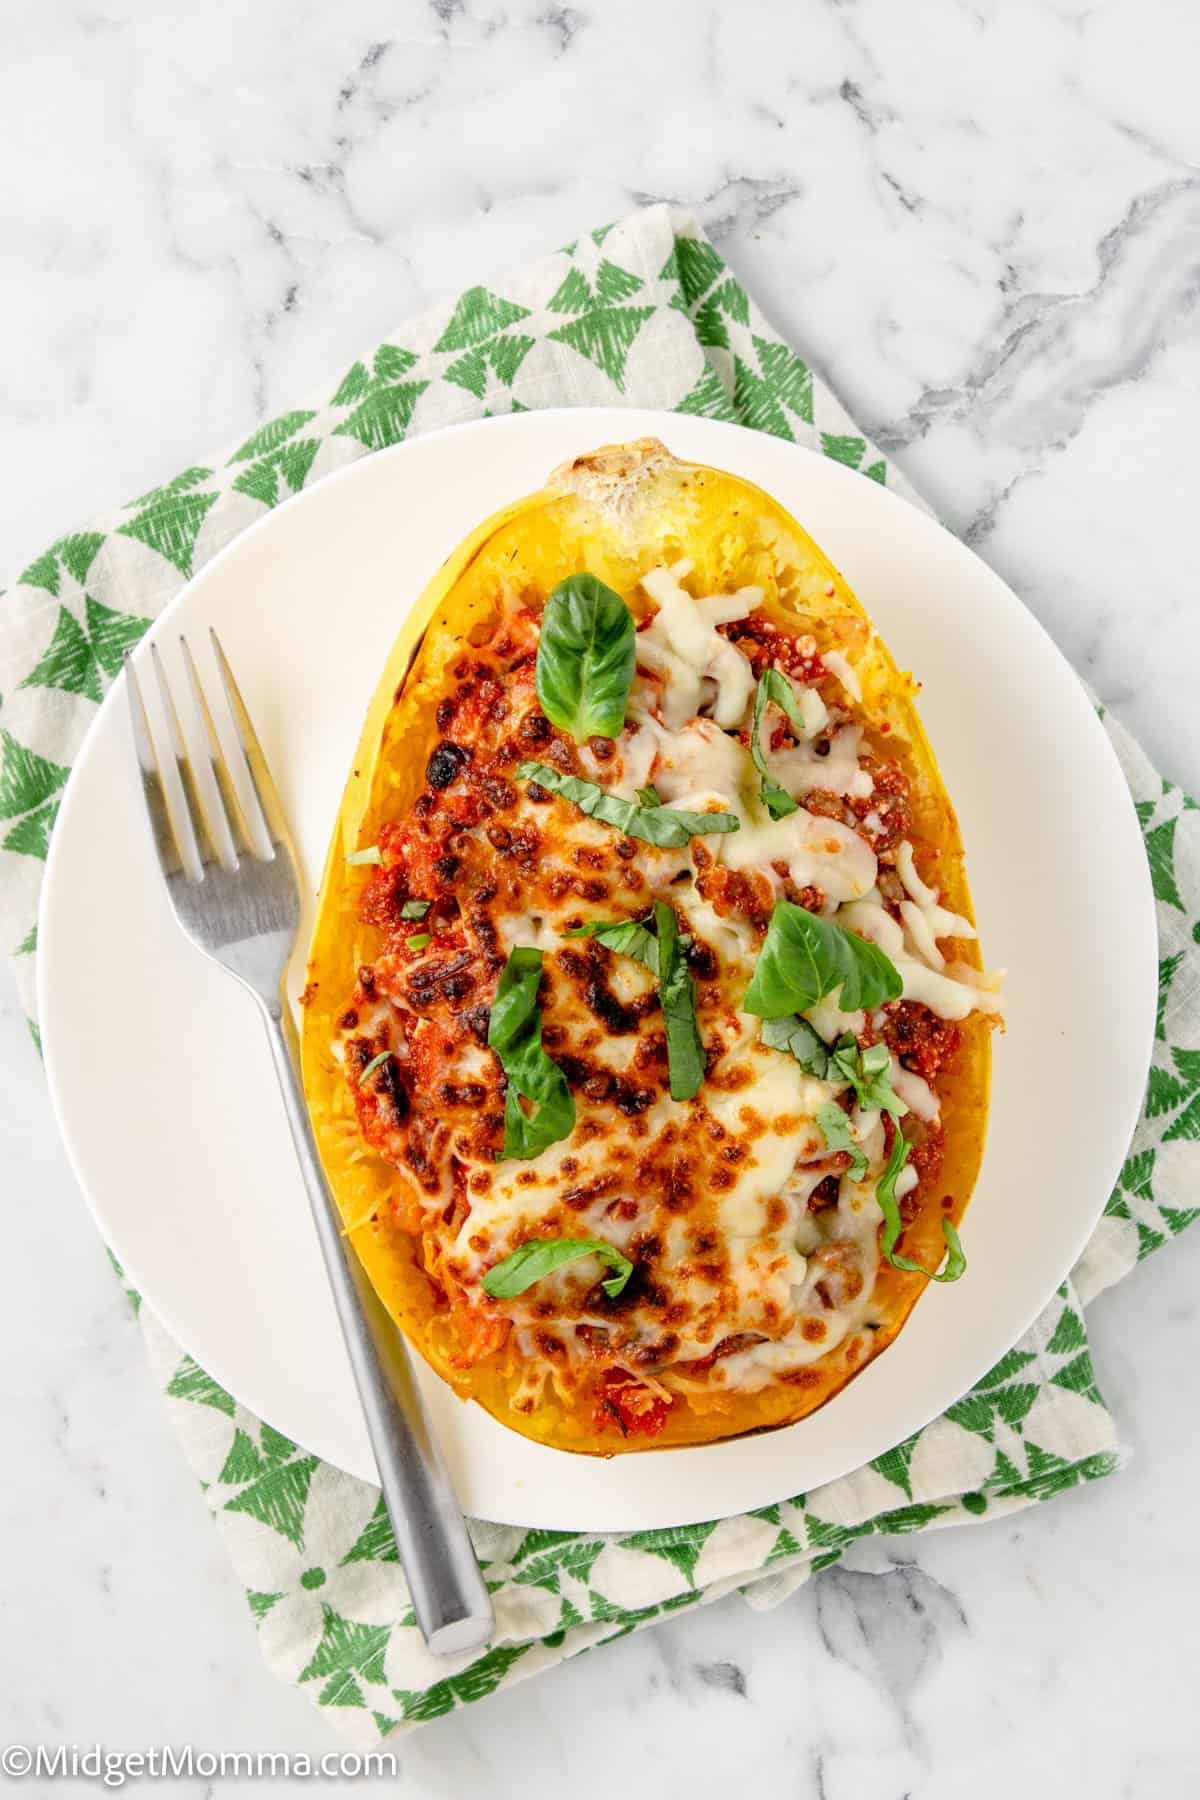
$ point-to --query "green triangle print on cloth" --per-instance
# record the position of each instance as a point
(313, 1548)
(382, 417)
(75, 554)
(695, 264)
(478, 315)
(611, 285)
(728, 302)
(29, 792)
(505, 356)
(709, 399)
(482, 1678)
(602, 329)
(348, 1654)
(782, 384)
(171, 524)
(272, 435)
(189, 1382)
(272, 1480)
(377, 1541)
(390, 363)
(282, 471)
(77, 658)
(69, 663)
(605, 337)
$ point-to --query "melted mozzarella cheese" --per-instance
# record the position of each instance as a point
(510, 1202)
(818, 852)
(683, 645)
(638, 746)
(840, 1267)
(755, 1096)
(924, 920)
(872, 921)
(830, 1022)
(916, 1093)
(950, 995)
(702, 758)
(731, 935)
(700, 764)
(840, 665)
(914, 887)
(801, 770)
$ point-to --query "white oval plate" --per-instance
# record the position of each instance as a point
(160, 1072)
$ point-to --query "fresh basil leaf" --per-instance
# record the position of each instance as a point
(415, 909)
(418, 940)
(774, 685)
(515, 1034)
(795, 1035)
(628, 937)
(869, 1073)
(649, 796)
(835, 1129)
(893, 1225)
(804, 957)
(660, 825)
(586, 658)
(538, 1256)
(373, 1065)
(372, 854)
(677, 992)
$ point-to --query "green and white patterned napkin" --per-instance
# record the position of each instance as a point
(646, 313)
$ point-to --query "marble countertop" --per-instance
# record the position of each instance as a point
(985, 231)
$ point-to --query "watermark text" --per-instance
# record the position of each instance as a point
(159, 1762)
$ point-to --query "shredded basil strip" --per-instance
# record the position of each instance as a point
(586, 658)
(804, 957)
(795, 1035)
(515, 1034)
(538, 1256)
(415, 909)
(773, 685)
(372, 854)
(628, 937)
(663, 955)
(835, 1129)
(677, 992)
(418, 940)
(649, 796)
(893, 1225)
(869, 1073)
(373, 1065)
(659, 825)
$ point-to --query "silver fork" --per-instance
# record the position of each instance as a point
(232, 878)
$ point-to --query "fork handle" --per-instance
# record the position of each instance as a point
(450, 1599)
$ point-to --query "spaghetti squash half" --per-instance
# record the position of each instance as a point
(645, 1038)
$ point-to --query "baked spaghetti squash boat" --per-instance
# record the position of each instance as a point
(645, 1039)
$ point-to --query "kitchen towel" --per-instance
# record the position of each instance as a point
(645, 313)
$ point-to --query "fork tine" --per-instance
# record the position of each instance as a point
(262, 786)
(233, 818)
(199, 815)
(174, 846)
